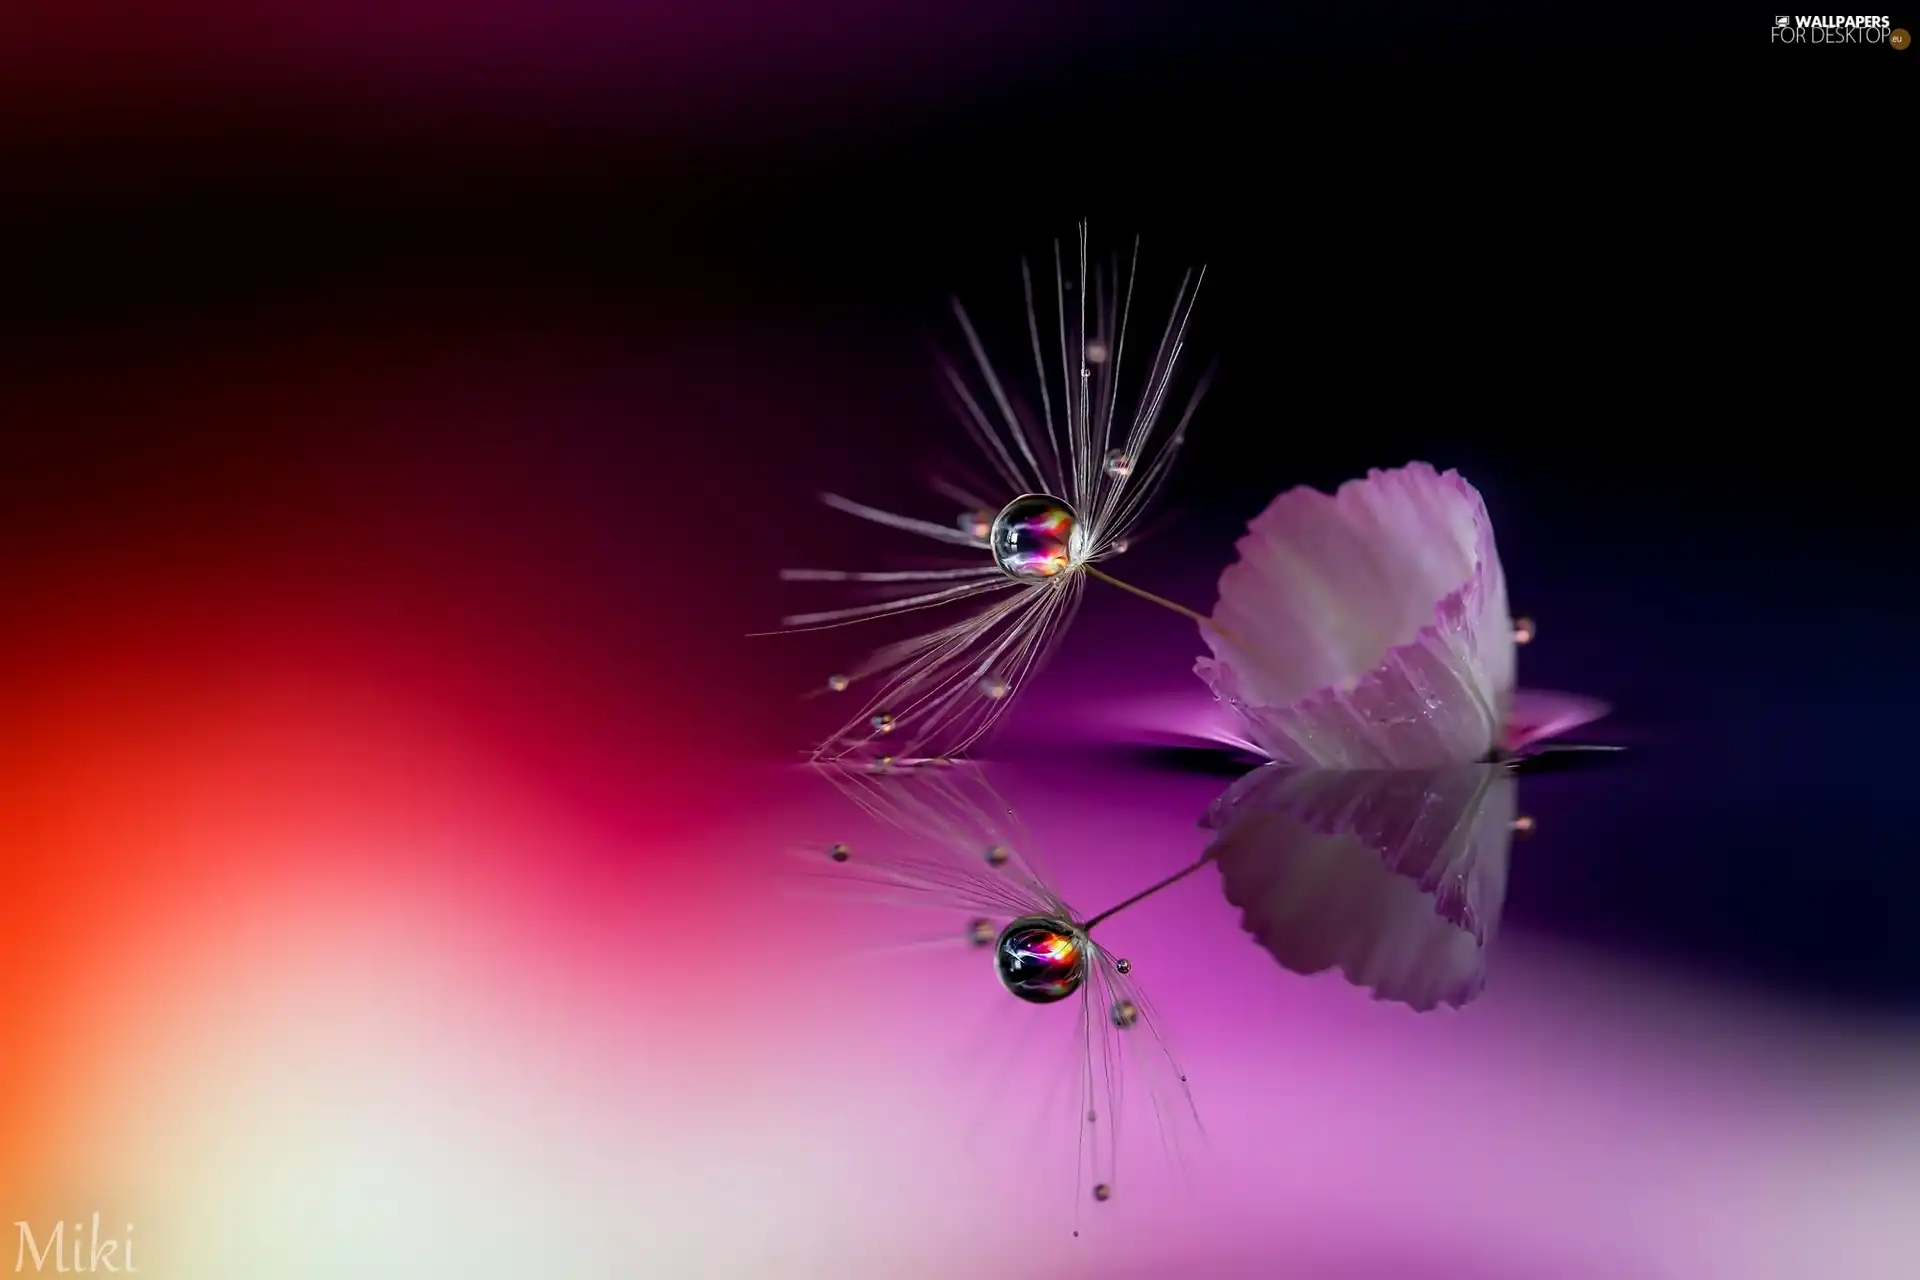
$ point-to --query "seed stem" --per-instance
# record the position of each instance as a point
(1144, 894)
(1162, 601)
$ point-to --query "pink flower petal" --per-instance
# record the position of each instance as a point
(1539, 714)
(1394, 877)
(1367, 629)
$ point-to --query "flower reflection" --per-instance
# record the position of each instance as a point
(1394, 877)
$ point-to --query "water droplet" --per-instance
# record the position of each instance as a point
(1034, 537)
(839, 853)
(883, 765)
(1093, 1117)
(997, 855)
(1096, 352)
(883, 722)
(1523, 631)
(838, 683)
(994, 687)
(1124, 966)
(1040, 959)
(1101, 1191)
(980, 932)
(1119, 465)
(1125, 1014)
(976, 524)
(1121, 546)
(1523, 823)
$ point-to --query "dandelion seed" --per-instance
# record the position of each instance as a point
(1076, 455)
(1046, 955)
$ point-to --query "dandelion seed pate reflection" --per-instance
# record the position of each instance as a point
(1043, 952)
(1073, 481)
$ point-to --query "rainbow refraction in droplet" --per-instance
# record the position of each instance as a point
(1040, 959)
(1033, 537)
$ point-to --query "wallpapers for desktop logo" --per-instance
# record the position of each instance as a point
(1809, 29)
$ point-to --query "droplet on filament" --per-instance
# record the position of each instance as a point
(1523, 631)
(883, 722)
(994, 687)
(997, 855)
(980, 932)
(1125, 1014)
(839, 853)
(1102, 1192)
(976, 524)
(1096, 353)
(838, 683)
(1119, 465)
(1034, 537)
(1124, 966)
(1040, 959)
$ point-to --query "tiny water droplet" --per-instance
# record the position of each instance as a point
(838, 683)
(1121, 546)
(1096, 353)
(883, 765)
(981, 932)
(1119, 465)
(1523, 823)
(997, 855)
(1101, 1191)
(1093, 1117)
(994, 687)
(976, 524)
(1523, 631)
(839, 853)
(883, 722)
(1124, 966)
(1125, 1014)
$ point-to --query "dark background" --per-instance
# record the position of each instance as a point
(1644, 278)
